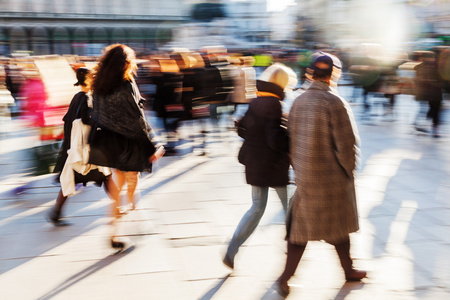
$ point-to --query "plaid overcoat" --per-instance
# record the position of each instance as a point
(324, 141)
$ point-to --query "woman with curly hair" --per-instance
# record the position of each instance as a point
(121, 137)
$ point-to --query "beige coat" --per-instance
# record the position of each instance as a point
(324, 142)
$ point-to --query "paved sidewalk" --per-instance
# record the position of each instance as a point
(190, 206)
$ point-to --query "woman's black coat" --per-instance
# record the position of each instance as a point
(265, 151)
(121, 138)
(78, 108)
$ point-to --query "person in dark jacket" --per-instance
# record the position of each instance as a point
(121, 137)
(428, 92)
(167, 101)
(265, 151)
(78, 109)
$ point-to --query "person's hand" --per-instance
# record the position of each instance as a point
(157, 155)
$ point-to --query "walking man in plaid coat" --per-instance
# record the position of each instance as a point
(323, 153)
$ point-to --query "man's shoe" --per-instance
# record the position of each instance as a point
(228, 261)
(355, 275)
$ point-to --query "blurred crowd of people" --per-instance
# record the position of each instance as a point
(423, 74)
(184, 84)
(108, 140)
(193, 85)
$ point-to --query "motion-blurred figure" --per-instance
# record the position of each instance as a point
(244, 81)
(68, 176)
(218, 80)
(389, 87)
(122, 138)
(428, 92)
(323, 152)
(167, 101)
(6, 100)
(368, 77)
(14, 80)
(33, 96)
(244, 85)
(264, 153)
(365, 71)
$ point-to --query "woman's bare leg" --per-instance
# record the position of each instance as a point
(119, 180)
(132, 181)
(113, 191)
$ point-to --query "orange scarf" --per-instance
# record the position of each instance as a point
(266, 94)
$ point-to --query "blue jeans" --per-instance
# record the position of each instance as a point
(252, 217)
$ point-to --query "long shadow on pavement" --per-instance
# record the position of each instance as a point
(347, 288)
(165, 181)
(405, 220)
(21, 227)
(85, 273)
(209, 294)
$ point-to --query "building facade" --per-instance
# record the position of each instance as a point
(84, 27)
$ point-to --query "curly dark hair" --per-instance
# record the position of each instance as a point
(115, 66)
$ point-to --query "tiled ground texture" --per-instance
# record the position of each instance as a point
(190, 206)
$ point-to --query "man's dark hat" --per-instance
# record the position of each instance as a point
(323, 64)
(81, 76)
